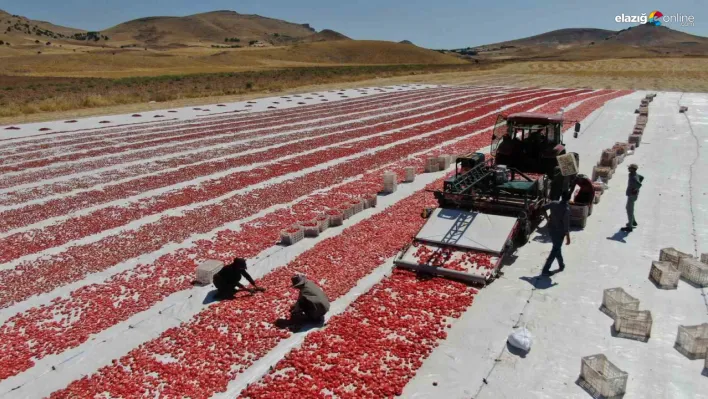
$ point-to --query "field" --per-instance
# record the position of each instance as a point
(103, 221)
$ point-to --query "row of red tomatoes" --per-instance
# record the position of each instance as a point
(204, 353)
(87, 258)
(20, 196)
(164, 136)
(107, 314)
(375, 347)
(148, 284)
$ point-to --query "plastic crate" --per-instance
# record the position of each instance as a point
(635, 139)
(292, 235)
(692, 341)
(346, 210)
(409, 174)
(665, 275)
(390, 182)
(323, 221)
(372, 200)
(443, 162)
(432, 165)
(672, 255)
(601, 378)
(310, 228)
(357, 205)
(568, 165)
(614, 299)
(206, 271)
(694, 271)
(704, 258)
(336, 218)
(603, 172)
(634, 324)
(578, 211)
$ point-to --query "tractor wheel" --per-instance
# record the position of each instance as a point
(524, 233)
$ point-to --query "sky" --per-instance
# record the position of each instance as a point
(432, 24)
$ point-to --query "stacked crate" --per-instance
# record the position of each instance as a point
(665, 275)
(409, 174)
(292, 235)
(432, 165)
(390, 182)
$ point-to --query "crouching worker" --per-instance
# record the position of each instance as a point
(586, 192)
(229, 277)
(311, 306)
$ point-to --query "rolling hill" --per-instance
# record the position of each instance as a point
(638, 41)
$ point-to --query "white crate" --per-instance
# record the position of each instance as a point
(336, 218)
(346, 210)
(432, 165)
(443, 162)
(704, 258)
(692, 341)
(323, 221)
(694, 271)
(672, 255)
(310, 228)
(357, 205)
(614, 299)
(603, 172)
(665, 275)
(601, 378)
(292, 234)
(390, 182)
(410, 174)
(372, 200)
(633, 324)
(207, 269)
(567, 164)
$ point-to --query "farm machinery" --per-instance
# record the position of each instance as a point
(492, 204)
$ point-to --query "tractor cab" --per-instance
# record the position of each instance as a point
(529, 142)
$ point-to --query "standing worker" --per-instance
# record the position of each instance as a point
(633, 186)
(559, 228)
(229, 277)
(311, 306)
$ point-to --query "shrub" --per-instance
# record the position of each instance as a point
(249, 85)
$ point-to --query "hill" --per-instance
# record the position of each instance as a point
(638, 41)
(216, 27)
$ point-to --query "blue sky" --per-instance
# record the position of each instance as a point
(436, 24)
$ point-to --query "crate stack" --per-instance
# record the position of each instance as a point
(629, 321)
(390, 182)
(690, 269)
(664, 275)
(409, 174)
(444, 162)
(310, 228)
(432, 165)
(206, 271)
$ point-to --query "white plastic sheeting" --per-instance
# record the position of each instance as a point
(563, 311)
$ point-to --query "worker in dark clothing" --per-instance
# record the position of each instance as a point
(559, 228)
(586, 194)
(633, 186)
(558, 184)
(229, 277)
(311, 306)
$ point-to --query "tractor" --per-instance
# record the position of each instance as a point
(492, 204)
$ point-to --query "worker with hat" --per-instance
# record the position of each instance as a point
(633, 186)
(312, 303)
(229, 277)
